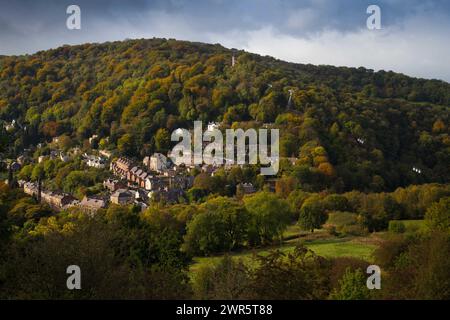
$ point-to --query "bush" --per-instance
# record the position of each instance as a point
(298, 275)
(352, 286)
(353, 230)
(346, 223)
(342, 218)
(437, 216)
(225, 280)
(340, 265)
(397, 227)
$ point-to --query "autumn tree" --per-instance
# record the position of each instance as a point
(437, 216)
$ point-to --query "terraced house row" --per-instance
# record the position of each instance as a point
(160, 179)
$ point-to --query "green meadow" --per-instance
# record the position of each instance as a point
(348, 247)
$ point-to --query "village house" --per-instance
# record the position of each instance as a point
(23, 160)
(247, 188)
(54, 154)
(94, 161)
(213, 126)
(55, 199)
(124, 168)
(113, 185)
(21, 183)
(122, 196)
(10, 126)
(121, 167)
(14, 166)
(131, 174)
(63, 157)
(92, 204)
(140, 195)
(75, 151)
(107, 154)
(140, 179)
(157, 162)
(153, 183)
(168, 185)
(30, 188)
(170, 173)
(156, 183)
(136, 177)
(58, 199)
(93, 139)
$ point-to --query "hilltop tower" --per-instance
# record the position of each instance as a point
(291, 92)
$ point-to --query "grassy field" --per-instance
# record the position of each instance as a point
(342, 249)
(323, 247)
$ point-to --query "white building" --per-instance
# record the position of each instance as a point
(41, 159)
(212, 126)
(93, 138)
(157, 162)
(95, 162)
(105, 153)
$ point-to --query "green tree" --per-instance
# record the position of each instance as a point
(312, 214)
(269, 217)
(220, 225)
(38, 172)
(204, 181)
(162, 140)
(26, 172)
(352, 286)
(126, 144)
(336, 202)
(296, 200)
(76, 179)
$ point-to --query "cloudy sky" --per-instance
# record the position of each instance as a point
(414, 39)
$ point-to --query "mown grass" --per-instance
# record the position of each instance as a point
(292, 231)
(343, 249)
(330, 248)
